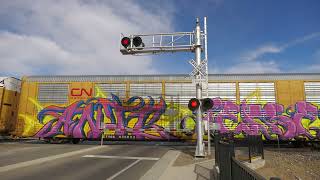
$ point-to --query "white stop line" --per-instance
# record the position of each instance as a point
(121, 157)
(138, 159)
(123, 170)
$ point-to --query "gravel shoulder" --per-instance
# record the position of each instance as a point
(291, 164)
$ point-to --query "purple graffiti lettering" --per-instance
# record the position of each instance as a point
(112, 114)
(270, 119)
(221, 111)
(138, 117)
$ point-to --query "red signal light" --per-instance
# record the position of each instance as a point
(194, 104)
(125, 42)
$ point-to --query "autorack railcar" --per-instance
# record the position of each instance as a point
(9, 100)
(154, 107)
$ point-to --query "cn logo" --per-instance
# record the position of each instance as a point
(81, 92)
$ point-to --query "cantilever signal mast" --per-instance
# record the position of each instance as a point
(195, 41)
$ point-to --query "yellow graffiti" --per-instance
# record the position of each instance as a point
(31, 125)
(39, 107)
(99, 92)
(254, 97)
(132, 122)
(190, 124)
(174, 112)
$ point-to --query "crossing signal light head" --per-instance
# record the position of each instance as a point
(194, 104)
(125, 42)
(137, 41)
(206, 104)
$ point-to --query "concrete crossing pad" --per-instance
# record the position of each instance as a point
(45, 159)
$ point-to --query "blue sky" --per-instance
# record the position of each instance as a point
(237, 29)
(82, 37)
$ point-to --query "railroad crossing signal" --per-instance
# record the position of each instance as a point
(205, 104)
(136, 42)
(196, 42)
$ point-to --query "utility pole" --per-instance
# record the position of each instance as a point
(176, 42)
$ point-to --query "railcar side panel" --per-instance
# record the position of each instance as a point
(157, 110)
(9, 100)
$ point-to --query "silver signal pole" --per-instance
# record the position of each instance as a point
(177, 42)
(197, 45)
(207, 87)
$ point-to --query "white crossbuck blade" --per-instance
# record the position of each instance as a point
(201, 68)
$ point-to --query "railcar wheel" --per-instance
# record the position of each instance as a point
(298, 144)
(75, 140)
(48, 140)
(315, 145)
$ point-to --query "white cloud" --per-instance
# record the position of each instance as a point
(253, 55)
(301, 40)
(254, 62)
(316, 66)
(273, 49)
(24, 53)
(74, 37)
(254, 67)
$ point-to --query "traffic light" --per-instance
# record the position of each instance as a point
(136, 41)
(194, 104)
(205, 104)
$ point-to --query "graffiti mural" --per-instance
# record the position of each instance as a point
(133, 118)
(271, 120)
(147, 119)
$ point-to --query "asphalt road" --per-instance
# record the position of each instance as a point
(33, 161)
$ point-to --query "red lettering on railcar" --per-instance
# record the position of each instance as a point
(76, 92)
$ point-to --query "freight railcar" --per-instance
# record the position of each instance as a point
(154, 107)
(9, 100)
